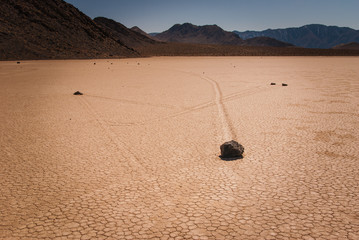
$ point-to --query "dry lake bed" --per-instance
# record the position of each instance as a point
(137, 156)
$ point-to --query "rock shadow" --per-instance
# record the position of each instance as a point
(228, 159)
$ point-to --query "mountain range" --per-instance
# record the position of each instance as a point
(213, 34)
(54, 29)
(308, 36)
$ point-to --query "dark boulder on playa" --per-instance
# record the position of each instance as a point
(78, 93)
(231, 149)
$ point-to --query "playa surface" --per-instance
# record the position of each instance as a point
(137, 156)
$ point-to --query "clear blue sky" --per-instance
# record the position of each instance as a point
(159, 15)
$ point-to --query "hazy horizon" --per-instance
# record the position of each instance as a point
(257, 15)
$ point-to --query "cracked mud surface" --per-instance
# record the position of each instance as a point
(136, 157)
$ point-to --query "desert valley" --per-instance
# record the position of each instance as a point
(137, 155)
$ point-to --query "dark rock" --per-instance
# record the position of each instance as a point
(231, 149)
(78, 93)
(284, 84)
(273, 83)
(18, 62)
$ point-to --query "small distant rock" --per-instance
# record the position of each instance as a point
(94, 63)
(273, 83)
(284, 84)
(232, 149)
(78, 93)
(18, 62)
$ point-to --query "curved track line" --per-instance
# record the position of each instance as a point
(223, 116)
(132, 102)
(138, 168)
(112, 136)
(230, 97)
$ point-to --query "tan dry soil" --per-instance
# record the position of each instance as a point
(136, 157)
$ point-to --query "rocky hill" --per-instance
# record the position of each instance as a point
(266, 42)
(191, 49)
(308, 36)
(208, 34)
(38, 29)
(349, 46)
(212, 34)
(139, 30)
(123, 34)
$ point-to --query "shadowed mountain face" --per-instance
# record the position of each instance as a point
(37, 29)
(209, 34)
(266, 42)
(139, 30)
(212, 34)
(122, 34)
(349, 46)
(309, 36)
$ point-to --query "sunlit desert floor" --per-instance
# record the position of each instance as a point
(137, 156)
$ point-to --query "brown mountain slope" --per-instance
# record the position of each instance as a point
(208, 34)
(122, 34)
(189, 49)
(349, 46)
(266, 42)
(139, 30)
(38, 29)
(212, 34)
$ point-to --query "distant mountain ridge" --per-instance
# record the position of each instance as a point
(308, 36)
(212, 34)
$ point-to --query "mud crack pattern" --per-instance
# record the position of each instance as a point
(136, 157)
